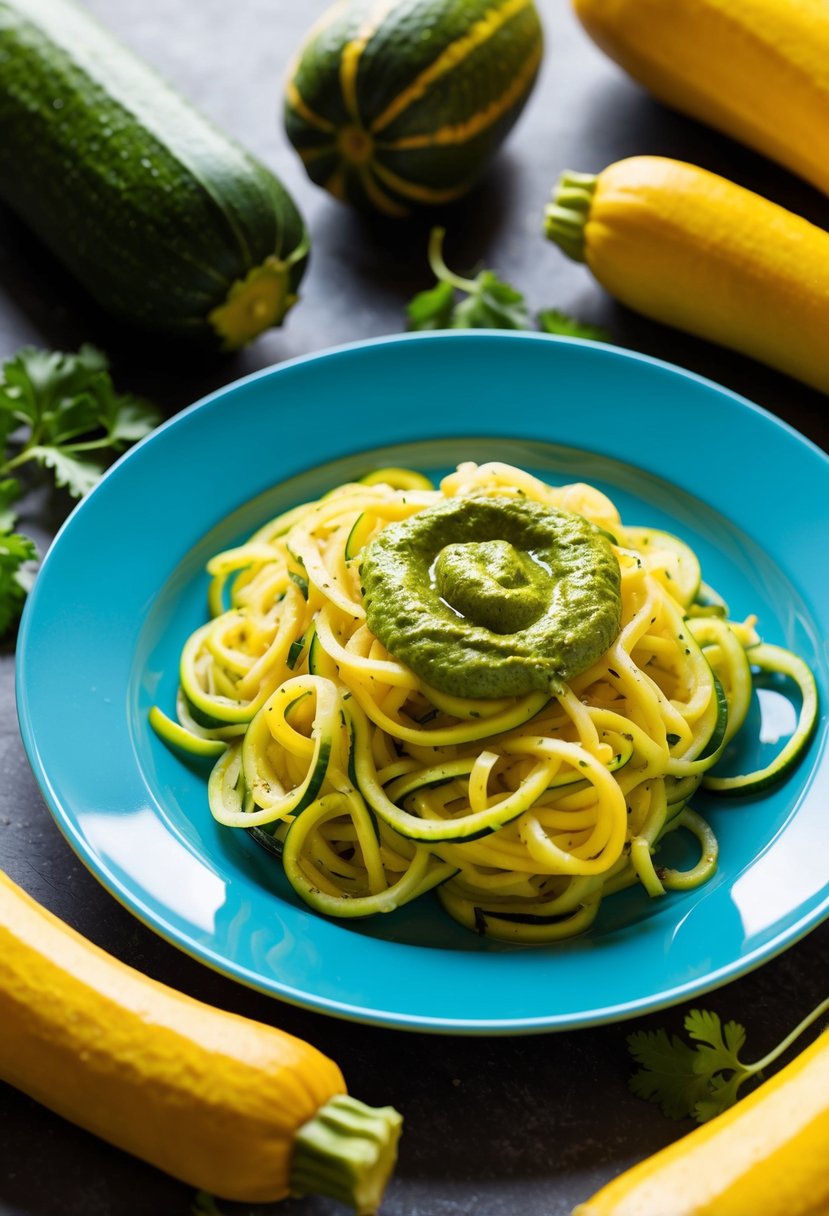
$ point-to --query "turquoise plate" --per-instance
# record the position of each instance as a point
(124, 584)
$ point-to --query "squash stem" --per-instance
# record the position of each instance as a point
(347, 1152)
(566, 215)
(255, 303)
(438, 266)
(759, 1065)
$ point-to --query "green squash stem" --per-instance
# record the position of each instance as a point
(259, 301)
(567, 213)
(347, 1152)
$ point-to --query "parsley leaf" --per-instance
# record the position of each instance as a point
(15, 552)
(493, 304)
(204, 1204)
(9, 493)
(38, 383)
(487, 302)
(552, 321)
(76, 474)
(433, 308)
(76, 421)
(61, 412)
(701, 1080)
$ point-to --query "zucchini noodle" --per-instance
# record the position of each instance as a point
(523, 812)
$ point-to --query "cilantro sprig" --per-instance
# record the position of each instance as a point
(59, 412)
(204, 1204)
(703, 1078)
(486, 302)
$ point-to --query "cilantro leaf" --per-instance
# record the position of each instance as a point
(722, 1093)
(493, 304)
(130, 419)
(35, 382)
(553, 321)
(15, 552)
(74, 473)
(70, 406)
(61, 412)
(432, 309)
(204, 1204)
(487, 302)
(703, 1080)
(716, 1050)
(668, 1076)
(9, 493)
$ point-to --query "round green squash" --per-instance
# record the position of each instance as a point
(393, 104)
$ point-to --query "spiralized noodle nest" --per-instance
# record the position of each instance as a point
(521, 813)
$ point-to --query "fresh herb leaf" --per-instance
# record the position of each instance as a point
(493, 304)
(433, 308)
(204, 1204)
(59, 411)
(9, 494)
(75, 473)
(722, 1093)
(703, 1080)
(486, 302)
(15, 552)
(719, 1048)
(553, 321)
(667, 1075)
(76, 421)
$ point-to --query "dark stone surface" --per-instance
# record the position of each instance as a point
(494, 1127)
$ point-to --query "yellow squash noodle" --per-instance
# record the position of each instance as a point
(522, 813)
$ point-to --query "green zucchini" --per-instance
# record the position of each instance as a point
(506, 921)
(470, 826)
(709, 736)
(708, 602)
(775, 659)
(449, 770)
(243, 791)
(256, 769)
(320, 663)
(355, 898)
(360, 531)
(166, 222)
(681, 564)
(397, 478)
(176, 735)
(209, 709)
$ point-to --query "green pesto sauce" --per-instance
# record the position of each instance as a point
(492, 597)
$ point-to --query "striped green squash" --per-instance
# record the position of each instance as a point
(398, 103)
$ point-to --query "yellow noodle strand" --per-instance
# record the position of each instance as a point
(523, 812)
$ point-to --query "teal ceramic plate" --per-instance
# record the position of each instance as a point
(124, 584)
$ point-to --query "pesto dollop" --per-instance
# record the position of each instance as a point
(487, 597)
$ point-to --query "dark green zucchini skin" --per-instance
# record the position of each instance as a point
(155, 211)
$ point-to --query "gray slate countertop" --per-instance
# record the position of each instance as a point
(524, 1126)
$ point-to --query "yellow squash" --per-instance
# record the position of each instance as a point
(766, 1156)
(231, 1106)
(689, 248)
(756, 69)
